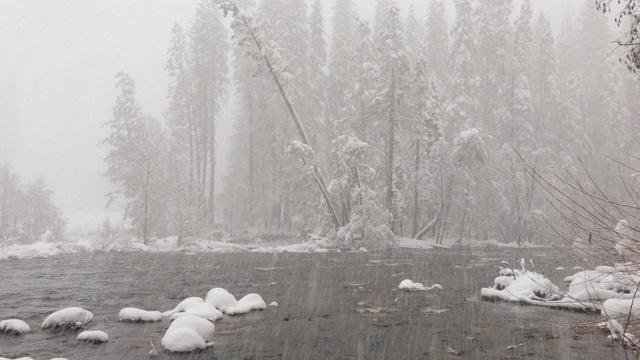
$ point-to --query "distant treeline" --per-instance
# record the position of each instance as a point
(27, 213)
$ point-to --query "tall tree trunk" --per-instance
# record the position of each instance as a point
(251, 160)
(390, 145)
(212, 172)
(305, 140)
(414, 231)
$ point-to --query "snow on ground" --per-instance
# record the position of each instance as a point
(248, 303)
(22, 358)
(221, 299)
(139, 315)
(94, 336)
(14, 326)
(72, 316)
(409, 285)
(188, 333)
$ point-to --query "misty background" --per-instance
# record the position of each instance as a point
(57, 71)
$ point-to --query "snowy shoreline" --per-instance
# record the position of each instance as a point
(196, 246)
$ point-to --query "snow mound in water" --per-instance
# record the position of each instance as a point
(409, 285)
(139, 315)
(526, 285)
(72, 316)
(188, 333)
(15, 326)
(94, 336)
(246, 304)
(621, 309)
(22, 358)
(204, 310)
(221, 299)
(184, 305)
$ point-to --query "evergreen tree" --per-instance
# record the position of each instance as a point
(136, 160)
(342, 54)
(208, 45)
(413, 35)
(437, 36)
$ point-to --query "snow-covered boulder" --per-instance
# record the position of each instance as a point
(14, 326)
(409, 285)
(72, 316)
(204, 310)
(524, 286)
(221, 299)
(139, 315)
(248, 303)
(184, 305)
(96, 336)
(597, 285)
(620, 309)
(188, 333)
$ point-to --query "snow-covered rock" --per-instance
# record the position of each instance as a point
(274, 304)
(221, 299)
(619, 309)
(94, 336)
(14, 326)
(523, 286)
(188, 333)
(72, 316)
(204, 310)
(248, 303)
(409, 285)
(139, 315)
(184, 305)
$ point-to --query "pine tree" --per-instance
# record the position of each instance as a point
(462, 103)
(394, 70)
(208, 41)
(342, 54)
(135, 160)
(427, 127)
(437, 36)
(520, 132)
(413, 35)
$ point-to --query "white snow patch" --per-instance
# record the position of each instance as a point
(409, 285)
(407, 243)
(221, 299)
(14, 326)
(139, 315)
(94, 335)
(274, 304)
(248, 303)
(72, 316)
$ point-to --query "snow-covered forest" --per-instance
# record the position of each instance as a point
(403, 126)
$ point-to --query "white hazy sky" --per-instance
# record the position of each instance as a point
(58, 59)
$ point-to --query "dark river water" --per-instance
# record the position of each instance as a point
(331, 306)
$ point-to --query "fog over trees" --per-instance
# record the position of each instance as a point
(401, 125)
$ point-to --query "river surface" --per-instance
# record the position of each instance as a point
(331, 306)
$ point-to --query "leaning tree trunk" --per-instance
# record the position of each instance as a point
(260, 45)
